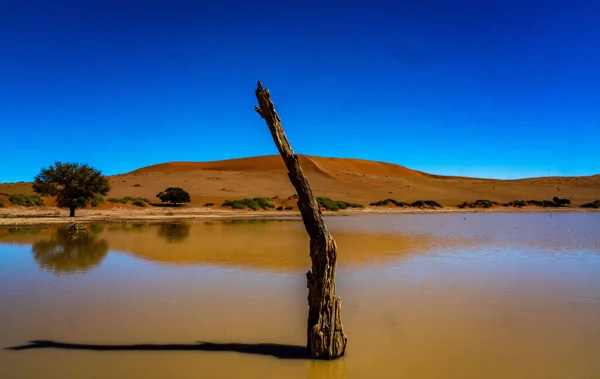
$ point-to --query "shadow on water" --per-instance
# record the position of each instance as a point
(269, 349)
(66, 253)
(174, 232)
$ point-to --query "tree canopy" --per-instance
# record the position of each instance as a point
(74, 185)
(174, 195)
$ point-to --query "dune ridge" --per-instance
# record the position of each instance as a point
(349, 179)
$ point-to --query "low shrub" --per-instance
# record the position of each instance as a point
(426, 203)
(561, 202)
(254, 204)
(327, 203)
(516, 203)
(209, 204)
(279, 208)
(27, 200)
(97, 200)
(2, 205)
(334, 205)
(4, 194)
(478, 204)
(594, 205)
(137, 185)
(139, 202)
(289, 208)
(392, 201)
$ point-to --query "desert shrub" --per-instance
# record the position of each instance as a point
(139, 203)
(254, 204)
(294, 196)
(289, 208)
(264, 203)
(4, 194)
(234, 204)
(426, 203)
(279, 208)
(516, 203)
(97, 200)
(137, 185)
(594, 205)
(477, 204)
(327, 203)
(27, 200)
(561, 202)
(344, 204)
(209, 204)
(2, 205)
(388, 201)
(127, 199)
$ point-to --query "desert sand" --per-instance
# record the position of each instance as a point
(353, 180)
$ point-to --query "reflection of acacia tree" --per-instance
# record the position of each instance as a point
(174, 232)
(68, 252)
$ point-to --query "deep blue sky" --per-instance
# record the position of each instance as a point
(500, 89)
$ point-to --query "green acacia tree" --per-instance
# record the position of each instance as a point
(74, 185)
(174, 195)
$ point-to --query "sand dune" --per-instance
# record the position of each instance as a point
(355, 180)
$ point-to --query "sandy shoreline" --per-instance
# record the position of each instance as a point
(52, 216)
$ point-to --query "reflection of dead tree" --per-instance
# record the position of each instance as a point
(325, 334)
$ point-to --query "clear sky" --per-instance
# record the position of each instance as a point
(501, 89)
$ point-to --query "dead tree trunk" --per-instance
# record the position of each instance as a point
(325, 334)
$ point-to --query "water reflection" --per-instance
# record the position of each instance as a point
(68, 253)
(175, 232)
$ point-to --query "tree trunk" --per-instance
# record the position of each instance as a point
(325, 334)
(72, 211)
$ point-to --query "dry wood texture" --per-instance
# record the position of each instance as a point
(325, 334)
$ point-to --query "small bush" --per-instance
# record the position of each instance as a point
(426, 203)
(264, 203)
(2, 205)
(388, 201)
(516, 203)
(254, 204)
(294, 196)
(344, 204)
(27, 200)
(327, 203)
(4, 194)
(139, 203)
(209, 204)
(561, 202)
(97, 200)
(137, 185)
(478, 204)
(289, 208)
(594, 205)
(279, 208)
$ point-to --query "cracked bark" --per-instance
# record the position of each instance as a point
(325, 334)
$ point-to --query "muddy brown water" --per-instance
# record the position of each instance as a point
(424, 296)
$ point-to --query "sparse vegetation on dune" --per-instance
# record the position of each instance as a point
(138, 201)
(390, 201)
(477, 204)
(2, 205)
(209, 204)
(97, 200)
(593, 204)
(556, 202)
(26, 200)
(426, 204)
(254, 204)
(335, 205)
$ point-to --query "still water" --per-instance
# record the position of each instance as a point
(423, 296)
